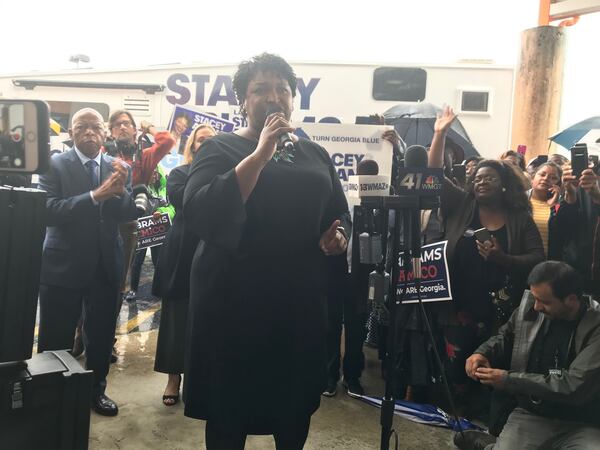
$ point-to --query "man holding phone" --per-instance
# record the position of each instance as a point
(582, 250)
(546, 356)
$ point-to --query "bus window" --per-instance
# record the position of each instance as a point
(475, 101)
(399, 84)
(62, 112)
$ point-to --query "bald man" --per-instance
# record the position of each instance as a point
(88, 194)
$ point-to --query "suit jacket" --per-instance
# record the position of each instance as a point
(79, 234)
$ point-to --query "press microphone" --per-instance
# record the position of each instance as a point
(285, 139)
(367, 167)
(368, 182)
(415, 159)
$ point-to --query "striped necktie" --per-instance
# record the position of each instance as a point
(91, 168)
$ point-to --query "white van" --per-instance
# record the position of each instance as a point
(481, 93)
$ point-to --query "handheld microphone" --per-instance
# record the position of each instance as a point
(285, 139)
(415, 158)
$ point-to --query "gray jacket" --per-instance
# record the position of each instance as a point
(577, 388)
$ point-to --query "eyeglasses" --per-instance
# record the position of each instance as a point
(485, 179)
(126, 123)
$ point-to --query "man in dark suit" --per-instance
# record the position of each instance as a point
(88, 194)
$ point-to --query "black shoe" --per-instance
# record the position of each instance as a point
(473, 440)
(104, 406)
(353, 387)
(331, 389)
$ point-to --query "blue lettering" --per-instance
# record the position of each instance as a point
(342, 174)
(222, 81)
(348, 159)
(173, 86)
(337, 159)
(306, 91)
(358, 158)
(200, 81)
(309, 119)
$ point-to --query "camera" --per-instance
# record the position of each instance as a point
(142, 200)
(111, 147)
(116, 148)
(24, 136)
(145, 203)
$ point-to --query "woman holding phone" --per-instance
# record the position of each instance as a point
(487, 277)
(551, 219)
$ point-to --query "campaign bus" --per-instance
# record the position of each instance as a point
(481, 93)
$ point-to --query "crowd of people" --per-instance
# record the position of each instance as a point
(255, 286)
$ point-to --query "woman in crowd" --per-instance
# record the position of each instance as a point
(582, 246)
(517, 160)
(267, 218)
(549, 217)
(514, 158)
(471, 164)
(487, 277)
(558, 159)
(172, 275)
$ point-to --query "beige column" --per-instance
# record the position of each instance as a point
(538, 86)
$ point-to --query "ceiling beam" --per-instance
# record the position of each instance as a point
(564, 9)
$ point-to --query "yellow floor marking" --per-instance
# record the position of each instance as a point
(130, 324)
(138, 319)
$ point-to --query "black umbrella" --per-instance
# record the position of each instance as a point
(414, 123)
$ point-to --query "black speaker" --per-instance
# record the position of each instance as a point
(45, 403)
(22, 229)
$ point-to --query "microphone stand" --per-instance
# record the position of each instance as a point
(388, 401)
(407, 206)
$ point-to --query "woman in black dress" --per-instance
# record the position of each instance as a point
(172, 275)
(267, 218)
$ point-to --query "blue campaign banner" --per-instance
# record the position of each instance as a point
(194, 118)
(435, 279)
(170, 161)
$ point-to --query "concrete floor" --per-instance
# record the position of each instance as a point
(144, 423)
(341, 423)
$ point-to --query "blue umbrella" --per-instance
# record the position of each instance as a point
(572, 135)
(425, 414)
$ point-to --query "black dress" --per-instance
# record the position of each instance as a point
(172, 280)
(257, 356)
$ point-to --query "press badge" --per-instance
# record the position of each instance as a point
(557, 372)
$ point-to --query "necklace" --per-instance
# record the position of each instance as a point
(283, 154)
